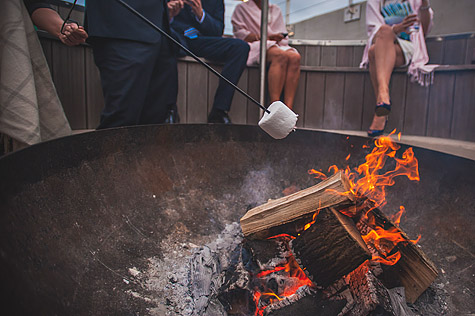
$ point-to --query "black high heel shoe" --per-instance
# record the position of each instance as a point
(382, 109)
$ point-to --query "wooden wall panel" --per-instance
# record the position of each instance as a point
(415, 116)
(328, 57)
(344, 56)
(454, 51)
(238, 111)
(69, 79)
(302, 51)
(398, 102)
(353, 101)
(299, 101)
(197, 94)
(314, 97)
(182, 88)
(313, 55)
(94, 95)
(333, 108)
(463, 119)
(441, 105)
(253, 86)
(357, 55)
(470, 52)
(435, 49)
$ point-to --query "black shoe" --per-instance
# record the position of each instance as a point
(219, 116)
(172, 117)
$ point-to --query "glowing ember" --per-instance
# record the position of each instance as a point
(282, 236)
(274, 285)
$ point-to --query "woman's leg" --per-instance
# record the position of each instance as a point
(292, 78)
(384, 55)
(277, 72)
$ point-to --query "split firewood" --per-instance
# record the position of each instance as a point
(369, 293)
(289, 214)
(331, 248)
(414, 270)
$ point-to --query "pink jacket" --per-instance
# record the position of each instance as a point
(246, 19)
(418, 69)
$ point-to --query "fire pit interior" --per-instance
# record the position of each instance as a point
(112, 222)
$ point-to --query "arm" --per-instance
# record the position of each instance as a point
(425, 16)
(277, 25)
(240, 26)
(50, 21)
(212, 23)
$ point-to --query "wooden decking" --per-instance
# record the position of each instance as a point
(334, 94)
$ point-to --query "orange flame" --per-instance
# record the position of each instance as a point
(318, 174)
(307, 226)
(367, 182)
(397, 217)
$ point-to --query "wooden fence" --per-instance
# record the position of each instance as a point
(335, 96)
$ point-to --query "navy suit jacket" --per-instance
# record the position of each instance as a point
(109, 18)
(212, 25)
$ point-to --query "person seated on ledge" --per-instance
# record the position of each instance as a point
(45, 18)
(200, 26)
(396, 30)
(283, 60)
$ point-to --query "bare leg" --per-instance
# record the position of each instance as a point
(277, 72)
(384, 55)
(292, 79)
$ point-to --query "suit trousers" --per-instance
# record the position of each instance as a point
(233, 53)
(139, 81)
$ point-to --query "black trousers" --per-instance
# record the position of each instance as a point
(139, 81)
(233, 53)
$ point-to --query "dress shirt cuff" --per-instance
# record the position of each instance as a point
(202, 18)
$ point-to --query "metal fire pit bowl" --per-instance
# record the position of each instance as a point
(78, 212)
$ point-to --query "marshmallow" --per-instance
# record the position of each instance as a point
(279, 122)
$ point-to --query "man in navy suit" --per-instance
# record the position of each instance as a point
(200, 25)
(137, 65)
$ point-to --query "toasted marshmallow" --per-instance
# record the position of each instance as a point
(280, 121)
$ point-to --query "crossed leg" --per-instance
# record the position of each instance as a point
(384, 55)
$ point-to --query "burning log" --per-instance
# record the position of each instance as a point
(414, 270)
(289, 214)
(331, 248)
(369, 293)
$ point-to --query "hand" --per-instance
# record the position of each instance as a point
(252, 37)
(196, 7)
(276, 37)
(73, 34)
(174, 7)
(407, 22)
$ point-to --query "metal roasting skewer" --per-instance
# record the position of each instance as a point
(190, 53)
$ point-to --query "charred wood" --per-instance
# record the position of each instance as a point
(331, 248)
(414, 270)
